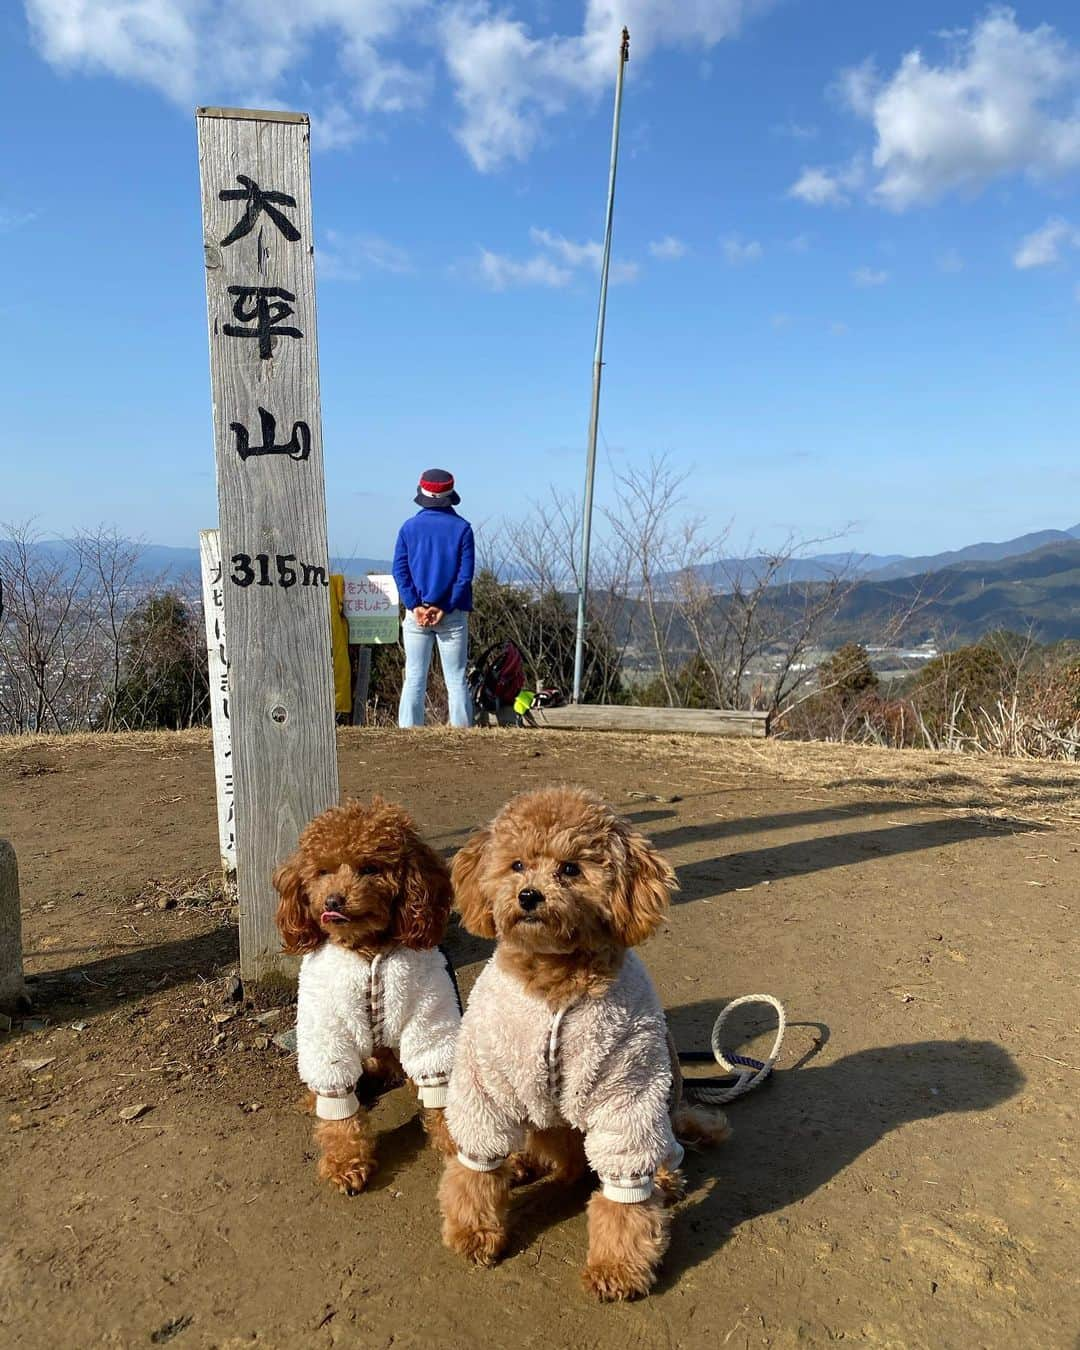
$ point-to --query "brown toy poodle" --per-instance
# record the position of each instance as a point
(365, 902)
(564, 1059)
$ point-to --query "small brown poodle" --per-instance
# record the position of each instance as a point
(365, 902)
(564, 1058)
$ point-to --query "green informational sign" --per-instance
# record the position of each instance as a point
(371, 607)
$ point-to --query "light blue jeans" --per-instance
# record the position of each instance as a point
(452, 635)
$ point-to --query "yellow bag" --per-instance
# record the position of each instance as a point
(339, 639)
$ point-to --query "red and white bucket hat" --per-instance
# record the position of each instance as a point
(436, 489)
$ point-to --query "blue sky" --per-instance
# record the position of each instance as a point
(847, 250)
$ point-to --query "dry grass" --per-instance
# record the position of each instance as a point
(11, 747)
(1046, 792)
(205, 891)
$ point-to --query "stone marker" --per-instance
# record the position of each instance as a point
(12, 989)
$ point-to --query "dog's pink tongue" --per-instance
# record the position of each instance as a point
(332, 916)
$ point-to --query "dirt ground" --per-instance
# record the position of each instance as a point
(907, 1180)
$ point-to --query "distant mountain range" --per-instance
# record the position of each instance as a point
(974, 553)
(1028, 583)
(161, 560)
(1037, 591)
(723, 573)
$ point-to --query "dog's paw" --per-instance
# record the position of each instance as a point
(525, 1169)
(385, 1069)
(351, 1179)
(438, 1133)
(670, 1185)
(482, 1246)
(612, 1283)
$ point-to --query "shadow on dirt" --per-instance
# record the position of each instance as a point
(795, 1136)
(749, 867)
(132, 973)
(137, 971)
(725, 826)
(448, 842)
(811, 1124)
(982, 795)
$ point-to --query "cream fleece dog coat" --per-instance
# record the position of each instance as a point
(348, 1007)
(600, 1065)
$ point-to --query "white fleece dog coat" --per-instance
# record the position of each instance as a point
(600, 1065)
(348, 1007)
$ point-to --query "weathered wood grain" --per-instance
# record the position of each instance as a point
(254, 114)
(708, 721)
(280, 677)
(217, 661)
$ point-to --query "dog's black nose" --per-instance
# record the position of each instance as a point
(529, 899)
(334, 903)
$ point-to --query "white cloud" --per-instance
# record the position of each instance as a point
(500, 272)
(353, 257)
(507, 80)
(554, 264)
(1001, 100)
(668, 249)
(867, 276)
(856, 86)
(574, 255)
(587, 254)
(245, 51)
(334, 128)
(819, 187)
(1042, 247)
(829, 187)
(738, 251)
(153, 43)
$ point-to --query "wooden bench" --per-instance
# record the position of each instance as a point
(613, 717)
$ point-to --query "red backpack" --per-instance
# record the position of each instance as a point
(498, 677)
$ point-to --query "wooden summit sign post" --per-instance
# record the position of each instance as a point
(255, 172)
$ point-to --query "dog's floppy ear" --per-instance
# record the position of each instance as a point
(299, 931)
(424, 903)
(475, 911)
(642, 891)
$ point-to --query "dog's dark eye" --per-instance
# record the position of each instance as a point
(368, 870)
(569, 869)
(518, 866)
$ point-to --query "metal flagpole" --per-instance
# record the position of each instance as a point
(598, 362)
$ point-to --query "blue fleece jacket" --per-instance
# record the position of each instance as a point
(434, 559)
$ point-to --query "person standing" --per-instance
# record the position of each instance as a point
(433, 566)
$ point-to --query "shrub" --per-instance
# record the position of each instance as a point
(953, 689)
(163, 680)
(847, 675)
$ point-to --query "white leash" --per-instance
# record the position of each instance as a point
(749, 1073)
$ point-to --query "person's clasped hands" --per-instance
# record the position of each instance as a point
(428, 616)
